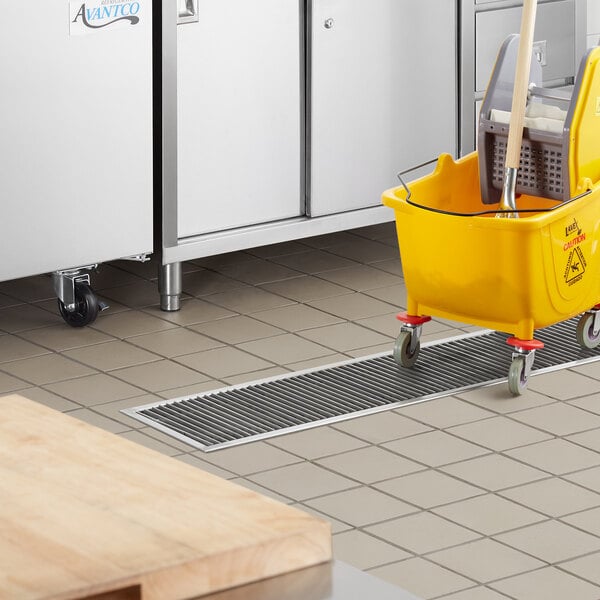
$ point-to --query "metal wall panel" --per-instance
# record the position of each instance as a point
(239, 115)
(75, 136)
(383, 95)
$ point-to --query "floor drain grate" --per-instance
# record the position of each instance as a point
(286, 403)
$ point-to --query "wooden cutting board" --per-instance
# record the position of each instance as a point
(84, 512)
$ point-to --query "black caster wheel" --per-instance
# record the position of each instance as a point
(86, 307)
(586, 337)
(517, 380)
(402, 353)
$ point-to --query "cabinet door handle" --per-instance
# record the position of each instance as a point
(187, 11)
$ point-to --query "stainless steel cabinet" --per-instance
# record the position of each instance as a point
(239, 115)
(383, 95)
(75, 134)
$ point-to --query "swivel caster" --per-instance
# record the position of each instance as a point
(407, 345)
(588, 329)
(522, 363)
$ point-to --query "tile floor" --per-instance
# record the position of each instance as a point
(479, 496)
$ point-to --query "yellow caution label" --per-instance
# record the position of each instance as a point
(576, 265)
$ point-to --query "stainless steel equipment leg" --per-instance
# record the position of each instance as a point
(169, 286)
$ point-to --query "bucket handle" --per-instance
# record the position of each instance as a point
(403, 183)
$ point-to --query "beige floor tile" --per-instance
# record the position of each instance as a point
(113, 409)
(130, 323)
(48, 399)
(589, 439)
(346, 336)
(167, 439)
(559, 419)
(160, 375)
(14, 348)
(361, 278)
(371, 350)
(336, 526)
(149, 442)
(136, 295)
(422, 532)
(193, 311)
(588, 520)
(94, 389)
(281, 249)
(435, 448)
(254, 376)
(497, 398)
(205, 283)
(393, 294)
(361, 506)
(554, 497)
(381, 427)
(11, 384)
(251, 485)
(489, 514)
(370, 464)
(317, 442)
(111, 355)
(174, 342)
(303, 289)
(190, 390)
(354, 306)
(248, 300)
(589, 478)
(27, 316)
(494, 472)
(319, 361)
(48, 368)
(364, 551)
(258, 271)
(196, 461)
(110, 276)
(499, 433)
(422, 578)
(314, 261)
(29, 289)
(589, 403)
(478, 593)
(250, 458)
(222, 362)
(234, 330)
(100, 421)
(226, 258)
(365, 251)
(302, 481)
(564, 384)
(329, 239)
(296, 317)
(556, 456)
(429, 488)
(385, 324)
(285, 349)
(61, 337)
(590, 369)
(444, 412)
(8, 301)
(547, 584)
(586, 567)
(551, 541)
(393, 266)
(485, 560)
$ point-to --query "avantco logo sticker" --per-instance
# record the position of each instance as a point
(89, 16)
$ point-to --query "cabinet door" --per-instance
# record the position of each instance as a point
(383, 95)
(239, 115)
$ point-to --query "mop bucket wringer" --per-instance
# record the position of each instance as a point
(513, 275)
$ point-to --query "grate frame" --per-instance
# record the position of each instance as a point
(351, 388)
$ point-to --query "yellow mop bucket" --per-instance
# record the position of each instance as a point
(514, 275)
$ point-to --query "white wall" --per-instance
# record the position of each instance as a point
(593, 22)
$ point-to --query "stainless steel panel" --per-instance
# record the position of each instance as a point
(383, 95)
(239, 115)
(555, 23)
(75, 136)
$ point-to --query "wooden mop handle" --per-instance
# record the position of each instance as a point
(519, 101)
